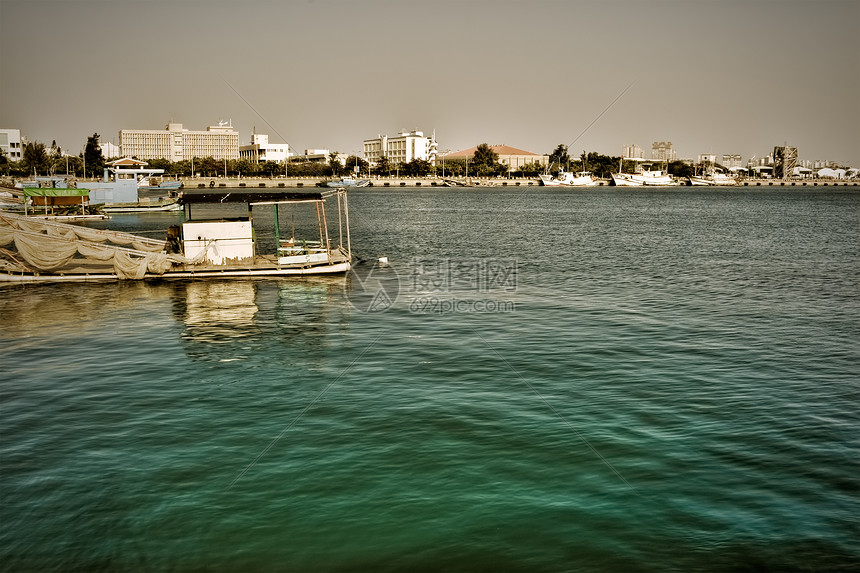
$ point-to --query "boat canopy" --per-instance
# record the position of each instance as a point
(50, 192)
(222, 196)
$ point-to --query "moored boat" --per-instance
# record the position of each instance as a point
(567, 179)
(149, 185)
(158, 206)
(345, 182)
(712, 179)
(643, 176)
(199, 248)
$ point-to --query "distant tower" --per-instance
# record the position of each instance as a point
(784, 161)
(663, 151)
(632, 151)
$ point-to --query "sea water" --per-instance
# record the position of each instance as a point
(549, 380)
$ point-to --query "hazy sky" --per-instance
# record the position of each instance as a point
(721, 76)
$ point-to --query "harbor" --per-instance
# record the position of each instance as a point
(702, 342)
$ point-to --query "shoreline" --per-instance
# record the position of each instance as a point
(306, 182)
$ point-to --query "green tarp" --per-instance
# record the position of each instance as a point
(54, 192)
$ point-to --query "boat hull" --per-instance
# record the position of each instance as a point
(567, 180)
(185, 274)
(713, 181)
(638, 180)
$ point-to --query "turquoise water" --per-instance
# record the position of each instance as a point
(600, 380)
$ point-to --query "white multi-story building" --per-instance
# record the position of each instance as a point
(260, 150)
(632, 151)
(402, 148)
(733, 161)
(10, 143)
(177, 144)
(707, 158)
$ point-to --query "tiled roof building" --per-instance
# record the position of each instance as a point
(511, 156)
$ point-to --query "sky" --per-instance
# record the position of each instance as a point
(711, 76)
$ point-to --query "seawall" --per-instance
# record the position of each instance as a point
(311, 182)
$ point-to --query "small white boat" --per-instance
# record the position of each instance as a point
(567, 179)
(152, 184)
(346, 182)
(143, 207)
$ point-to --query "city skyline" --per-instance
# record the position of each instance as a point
(722, 77)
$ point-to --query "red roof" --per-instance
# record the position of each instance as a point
(500, 150)
(125, 162)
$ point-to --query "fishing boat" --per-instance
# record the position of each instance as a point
(567, 179)
(642, 177)
(205, 246)
(712, 179)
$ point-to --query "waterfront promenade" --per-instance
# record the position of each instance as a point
(304, 182)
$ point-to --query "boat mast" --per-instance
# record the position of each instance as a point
(339, 224)
(346, 216)
(277, 233)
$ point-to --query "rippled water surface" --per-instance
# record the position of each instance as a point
(601, 380)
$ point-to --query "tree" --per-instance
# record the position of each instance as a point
(531, 169)
(55, 158)
(383, 167)
(74, 164)
(354, 161)
(600, 165)
(560, 156)
(35, 157)
(242, 166)
(208, 166)
(160, 163)
(681, 169)
(94, 161)
(416, 168)
(485, 161)
(270, 168)
(335, 165)
(484, 155)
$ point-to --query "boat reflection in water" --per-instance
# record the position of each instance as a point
(241, 320)
(219, 311)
